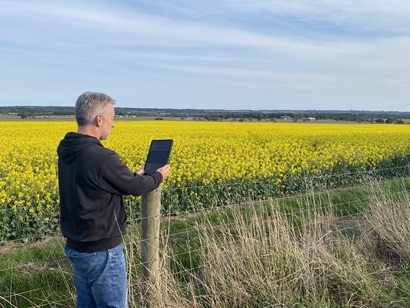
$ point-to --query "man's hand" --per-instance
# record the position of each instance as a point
(164, 171)
(141, 171)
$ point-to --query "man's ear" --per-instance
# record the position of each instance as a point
(98, 120)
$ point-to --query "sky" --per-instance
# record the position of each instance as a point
(213, 54)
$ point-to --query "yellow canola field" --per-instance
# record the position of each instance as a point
(217, 152)
(203, 153)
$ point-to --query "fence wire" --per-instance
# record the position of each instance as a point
(170, 238)
(371, 175)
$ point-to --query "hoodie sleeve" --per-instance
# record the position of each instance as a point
(117, 178)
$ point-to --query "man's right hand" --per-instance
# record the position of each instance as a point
(164, 171)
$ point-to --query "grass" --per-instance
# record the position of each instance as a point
(340, 248)
(35, 275)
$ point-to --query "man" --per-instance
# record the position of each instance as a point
(92, 180)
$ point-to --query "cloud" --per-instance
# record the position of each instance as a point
(300, 50)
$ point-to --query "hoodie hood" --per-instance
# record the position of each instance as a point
(74, 143)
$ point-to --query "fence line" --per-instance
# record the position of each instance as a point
(269, 180)
(168, 236)
(245, 203)
(233, 206)
(304, 177)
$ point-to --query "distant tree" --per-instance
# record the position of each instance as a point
(296, 117)
(379, 121)
(24, 115)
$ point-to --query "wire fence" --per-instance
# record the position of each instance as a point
(179, 229)
(362, 176)
(225, 185)
(186, 214)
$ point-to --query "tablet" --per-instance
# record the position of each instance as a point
(158, 155)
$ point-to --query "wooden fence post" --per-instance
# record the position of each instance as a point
(150, 223)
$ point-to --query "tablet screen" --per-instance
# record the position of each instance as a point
(158, 155)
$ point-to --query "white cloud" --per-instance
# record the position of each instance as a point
(213, 48)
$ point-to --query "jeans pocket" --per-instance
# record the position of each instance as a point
(85, 264)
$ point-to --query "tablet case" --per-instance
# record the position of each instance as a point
(158, 155)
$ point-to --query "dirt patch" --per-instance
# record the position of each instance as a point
(15, 246)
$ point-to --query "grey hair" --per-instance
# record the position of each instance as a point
(89, 105)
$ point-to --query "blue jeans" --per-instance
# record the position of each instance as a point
(100, 277)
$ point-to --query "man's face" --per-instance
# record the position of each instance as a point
(107, 122)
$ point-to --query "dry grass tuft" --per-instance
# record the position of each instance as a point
(389, 219)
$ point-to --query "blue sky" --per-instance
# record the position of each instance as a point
(213, 54)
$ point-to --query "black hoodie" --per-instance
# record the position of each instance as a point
(92, 180)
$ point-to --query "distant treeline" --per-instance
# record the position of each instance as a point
(37, 110)
(219, 115)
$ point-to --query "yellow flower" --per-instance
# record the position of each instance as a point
(204, 153)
